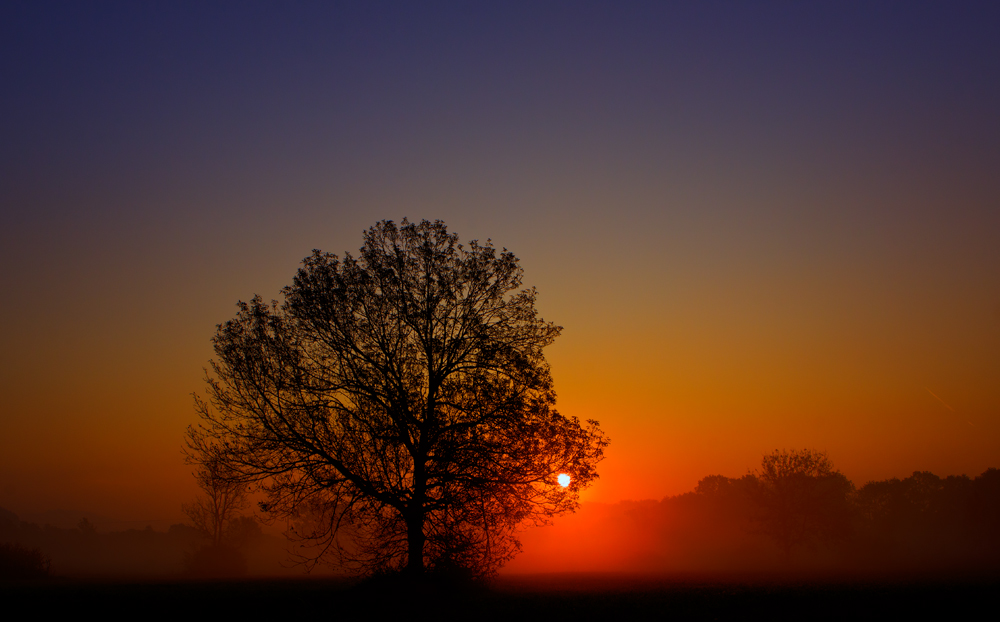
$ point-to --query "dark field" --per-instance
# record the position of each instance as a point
(562, 596)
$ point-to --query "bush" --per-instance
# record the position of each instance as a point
(18, 562)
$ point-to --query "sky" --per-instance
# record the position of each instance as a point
(769, 225)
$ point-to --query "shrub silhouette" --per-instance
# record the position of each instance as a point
(18, 562)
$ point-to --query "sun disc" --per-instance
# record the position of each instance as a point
(563, 480)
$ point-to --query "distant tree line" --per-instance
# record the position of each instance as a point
(795, 512)
(29, 550)
(804, 506)
(84, 550)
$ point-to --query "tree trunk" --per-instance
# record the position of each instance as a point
(414, 516)
(415, 539)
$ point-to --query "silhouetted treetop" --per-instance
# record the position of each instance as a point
(778, 466)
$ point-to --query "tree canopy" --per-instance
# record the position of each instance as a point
(398, 405)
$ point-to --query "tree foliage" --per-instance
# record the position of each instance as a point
(398, 405)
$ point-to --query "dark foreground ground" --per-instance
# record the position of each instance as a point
(517, 598)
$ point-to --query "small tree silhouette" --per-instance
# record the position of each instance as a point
(214, 515)
(224, 497)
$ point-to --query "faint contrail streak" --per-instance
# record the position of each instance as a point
(940, 400)
(946, 404)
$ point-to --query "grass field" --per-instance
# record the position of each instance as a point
(516, 598)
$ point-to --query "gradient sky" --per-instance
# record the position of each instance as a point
(761, 225)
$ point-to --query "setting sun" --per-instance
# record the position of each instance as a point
(563, 480)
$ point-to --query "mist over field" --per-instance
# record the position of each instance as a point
(819, 525)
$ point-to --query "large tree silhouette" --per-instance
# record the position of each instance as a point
(398, 405)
